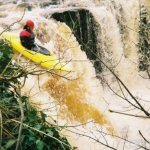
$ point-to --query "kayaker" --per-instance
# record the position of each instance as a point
(27, 38)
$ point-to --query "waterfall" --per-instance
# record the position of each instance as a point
(82, 97)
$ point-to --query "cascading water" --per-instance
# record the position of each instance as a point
(82, 97)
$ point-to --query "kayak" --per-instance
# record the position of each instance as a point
(47, 61)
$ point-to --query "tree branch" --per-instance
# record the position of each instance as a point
(22, 117)
(143, 137)
(1, 128)
(8, 28)
(117, 112)
(34, 129)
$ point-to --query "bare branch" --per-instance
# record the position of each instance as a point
(8, 28)
(97, 140)
(143, 137)
(112, 111)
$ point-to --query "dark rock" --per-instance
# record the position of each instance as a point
(85, 29)
(144, 40)
(46, 4)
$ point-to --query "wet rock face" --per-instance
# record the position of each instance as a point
(85, 29)
(35, 3)
(48, 3)
(144, 40)
(7, 2)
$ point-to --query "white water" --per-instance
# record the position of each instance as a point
(86, 98)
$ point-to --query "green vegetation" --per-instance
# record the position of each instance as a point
(35, 134)
(5, 55)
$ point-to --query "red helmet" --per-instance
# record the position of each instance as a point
(30, 24)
